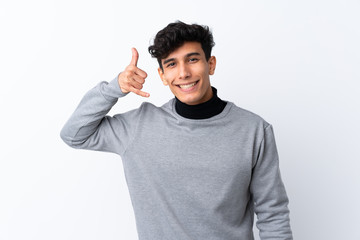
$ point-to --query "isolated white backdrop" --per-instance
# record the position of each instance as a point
(295, 63)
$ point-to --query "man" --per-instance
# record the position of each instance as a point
(197, 167)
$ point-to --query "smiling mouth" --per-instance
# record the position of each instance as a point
(187, 86)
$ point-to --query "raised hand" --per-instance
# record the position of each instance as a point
(133, 78)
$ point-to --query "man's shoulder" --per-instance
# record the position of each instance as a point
(246, 116)
(150, 110)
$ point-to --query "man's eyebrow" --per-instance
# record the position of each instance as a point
(187, 55)
(168, 60)
(192, 54)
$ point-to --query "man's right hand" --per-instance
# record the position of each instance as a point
(133, 78)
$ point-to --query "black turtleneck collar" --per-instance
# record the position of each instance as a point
(208, 109)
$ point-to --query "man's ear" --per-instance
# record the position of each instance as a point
(212, 65)
(161, 74)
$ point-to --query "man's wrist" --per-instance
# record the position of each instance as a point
(111, 90)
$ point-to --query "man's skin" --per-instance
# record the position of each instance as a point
(185, 65)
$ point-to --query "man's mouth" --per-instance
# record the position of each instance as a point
(187, 86)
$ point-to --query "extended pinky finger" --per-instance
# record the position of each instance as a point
(139, 92)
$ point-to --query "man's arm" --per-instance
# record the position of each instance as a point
(268, 191)
(90, 128)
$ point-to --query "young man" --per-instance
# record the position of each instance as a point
(197, 167)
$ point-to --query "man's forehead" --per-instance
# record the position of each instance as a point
(186, 50)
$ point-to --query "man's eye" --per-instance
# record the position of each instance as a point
(171, 64)
(193, 59)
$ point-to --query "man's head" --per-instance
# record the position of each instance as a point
(176, 34)
(185, 62)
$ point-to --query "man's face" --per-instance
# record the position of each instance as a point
(186, 72)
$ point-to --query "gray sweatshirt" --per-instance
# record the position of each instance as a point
(188, 179)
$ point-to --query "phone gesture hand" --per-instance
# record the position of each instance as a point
(133, 78)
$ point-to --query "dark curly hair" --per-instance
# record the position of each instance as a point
(176, 34)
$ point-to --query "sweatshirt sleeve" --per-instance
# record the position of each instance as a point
(90, 128)
(268, 191)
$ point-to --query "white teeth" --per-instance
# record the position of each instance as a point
(187, 86)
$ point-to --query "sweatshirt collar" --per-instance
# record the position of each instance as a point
(208, 109)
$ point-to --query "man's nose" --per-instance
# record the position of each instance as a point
(184, 71)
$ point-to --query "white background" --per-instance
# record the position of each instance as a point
(295, 63)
